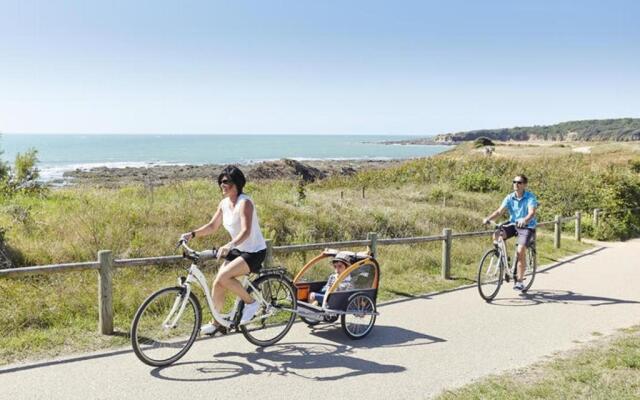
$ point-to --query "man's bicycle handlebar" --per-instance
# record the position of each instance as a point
(500, 225)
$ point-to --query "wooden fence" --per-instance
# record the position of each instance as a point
(105, 264)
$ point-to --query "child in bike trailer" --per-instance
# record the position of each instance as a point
(340, 262)
(522, 206)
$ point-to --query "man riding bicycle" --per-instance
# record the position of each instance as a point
(522, 206)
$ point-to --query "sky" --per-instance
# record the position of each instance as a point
(314, 67)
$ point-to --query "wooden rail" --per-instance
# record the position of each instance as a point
(105, 262)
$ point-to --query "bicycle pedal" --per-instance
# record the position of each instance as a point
(219, 331)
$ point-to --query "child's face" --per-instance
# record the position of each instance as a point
(339, 266)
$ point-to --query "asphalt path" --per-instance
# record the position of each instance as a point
(419, 346)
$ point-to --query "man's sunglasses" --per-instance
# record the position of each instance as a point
(518, 182)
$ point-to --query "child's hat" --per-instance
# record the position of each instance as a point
(343, 256)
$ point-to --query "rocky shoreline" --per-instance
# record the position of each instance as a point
(288, 169)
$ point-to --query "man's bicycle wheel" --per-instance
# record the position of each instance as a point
(532, 266)
(165, 326)
(271, 322)
(490, 273)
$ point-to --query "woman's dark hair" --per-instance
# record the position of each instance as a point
(524, 178)
(235, 175)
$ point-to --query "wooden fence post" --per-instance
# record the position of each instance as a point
(578, 226)
(363, 192)
(596, 217)
(268, 259)
(557, 230)
(446, 254)
(373, 246)
(105, 293)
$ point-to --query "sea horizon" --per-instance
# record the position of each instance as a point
(58, 153)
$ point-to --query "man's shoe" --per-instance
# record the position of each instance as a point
(249, 311)
(518, 286)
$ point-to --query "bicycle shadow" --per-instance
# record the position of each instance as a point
(308, 360)
(316, 361)
(537, 297)
(382, 336)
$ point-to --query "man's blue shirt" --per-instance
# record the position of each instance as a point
(519, 208)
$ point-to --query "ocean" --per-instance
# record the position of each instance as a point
(58, 153)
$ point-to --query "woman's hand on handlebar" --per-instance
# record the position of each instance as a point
(186, 236)
(224, 250)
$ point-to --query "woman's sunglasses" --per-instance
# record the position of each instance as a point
(226, 182)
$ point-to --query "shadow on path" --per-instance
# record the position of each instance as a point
(537, 297)
(315, 361)
(380, 337)
(308, 360)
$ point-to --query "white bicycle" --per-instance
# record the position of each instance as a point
(167, 323)
(494, 267)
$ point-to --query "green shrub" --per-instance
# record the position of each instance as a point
(477, 181)
(482, 141)
(23, 178)
(619, 195)
(440, 193)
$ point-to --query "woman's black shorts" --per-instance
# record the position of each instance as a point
(254, 260)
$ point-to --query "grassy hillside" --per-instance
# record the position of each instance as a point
(58, 313)
(621, 129)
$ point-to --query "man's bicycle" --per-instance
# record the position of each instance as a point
(168, 322)
(494, 267)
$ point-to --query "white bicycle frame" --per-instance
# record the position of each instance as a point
(503, 253)
(196, 276)
(502, 244)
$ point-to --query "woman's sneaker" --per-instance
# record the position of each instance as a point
(249, 311)
(518, 286)
(211, 329)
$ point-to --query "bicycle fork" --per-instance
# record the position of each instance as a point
(179, 305)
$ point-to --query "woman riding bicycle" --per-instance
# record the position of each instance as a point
(244, 253)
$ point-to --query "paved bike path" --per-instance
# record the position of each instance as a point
(418, 347)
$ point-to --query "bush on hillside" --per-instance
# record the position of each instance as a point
(620, 198)
(477, 181)
(482, 141)
(23, 177)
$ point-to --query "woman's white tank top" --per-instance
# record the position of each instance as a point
(231, 221)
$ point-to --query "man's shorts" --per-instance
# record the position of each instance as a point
(525, 235)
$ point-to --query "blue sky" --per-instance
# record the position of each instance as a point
(302, 67)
